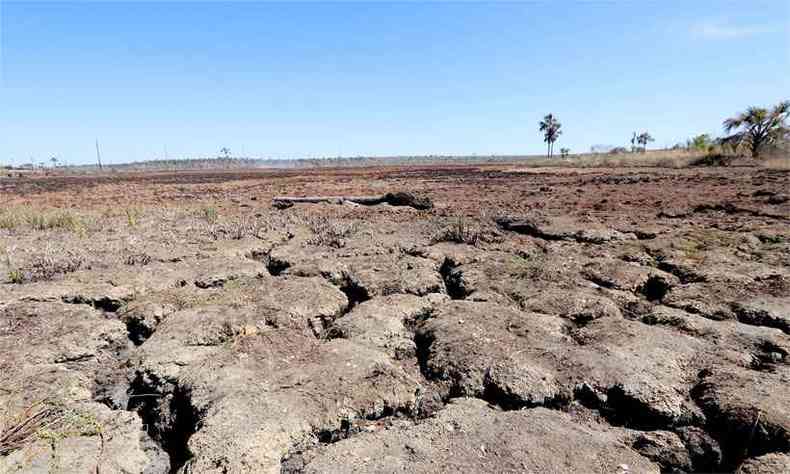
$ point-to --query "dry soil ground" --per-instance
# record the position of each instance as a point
(556, 320)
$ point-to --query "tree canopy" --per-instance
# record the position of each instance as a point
(758, 127)
(550, 127)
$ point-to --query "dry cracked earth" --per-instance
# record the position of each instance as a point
(613, 321)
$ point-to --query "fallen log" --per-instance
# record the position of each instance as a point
(394, 199)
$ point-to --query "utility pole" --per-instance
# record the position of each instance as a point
(98, 154)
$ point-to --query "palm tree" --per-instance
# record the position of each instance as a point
(643, 139)
(225, 151)
(54, 161)
(633, 142)
(757, 127)
(551, 131)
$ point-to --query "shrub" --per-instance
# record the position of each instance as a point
(700, 143)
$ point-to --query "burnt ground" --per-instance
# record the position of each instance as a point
(538, 320)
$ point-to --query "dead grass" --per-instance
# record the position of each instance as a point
(46, 265)
(45, 420)
(133, 215)
(330, 232)
(654, 158)
(460, 231)
(236, 229)
(777, 163)
(42, 220)
(9, 220)
(240, 227)
(137, 259)
(466, 230)
(209, 214)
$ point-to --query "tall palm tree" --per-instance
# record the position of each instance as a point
(643, 139)
(225, 151)
(757, 127)
(550, 127)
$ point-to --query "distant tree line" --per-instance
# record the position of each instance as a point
(755, 130)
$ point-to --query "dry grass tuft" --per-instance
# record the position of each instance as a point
(467, 231)
(39, 220)
(9, 220)
(776, 163)
(44, 420)
(237, 229)
(459, 231)
(209, 214)
(46, 266)
(137, 259)
(133, 216)
(330, 232)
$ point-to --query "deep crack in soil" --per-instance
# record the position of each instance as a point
(168, 415)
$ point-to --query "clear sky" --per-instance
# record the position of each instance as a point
(326, 79)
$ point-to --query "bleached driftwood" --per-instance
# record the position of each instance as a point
(395, 199)
(367, 200)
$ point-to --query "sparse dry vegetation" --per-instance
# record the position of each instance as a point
(45, 420)
(237, 228)
(593, 275)
(464, 230)
(650, 158)
(209, 214)
(46, 265)
(133, 215)
(330, 232)
(137, 259)
(42, 220)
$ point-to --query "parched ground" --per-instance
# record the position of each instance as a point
(535, 320)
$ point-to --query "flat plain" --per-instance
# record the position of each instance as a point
(531, 320)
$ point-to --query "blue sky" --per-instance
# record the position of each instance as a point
(326, 79)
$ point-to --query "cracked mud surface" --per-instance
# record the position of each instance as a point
(533, 321)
